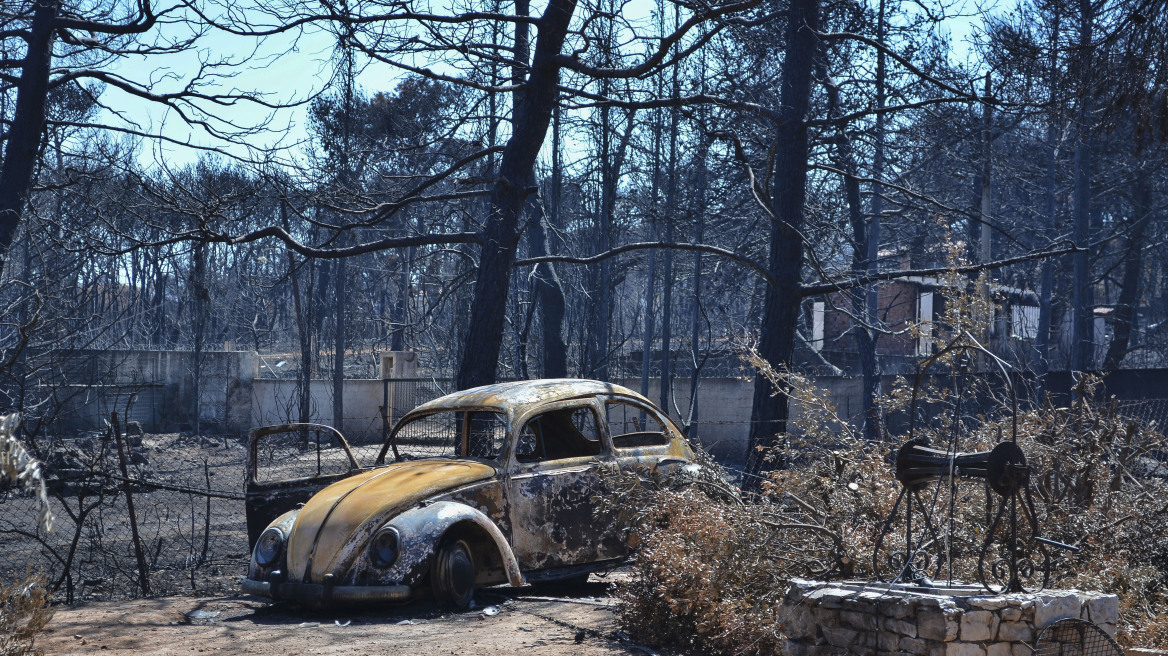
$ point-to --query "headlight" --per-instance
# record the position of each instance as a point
(383, 548)
(269, 546)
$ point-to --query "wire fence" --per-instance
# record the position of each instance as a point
(187, 533)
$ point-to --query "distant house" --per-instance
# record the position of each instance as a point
(911, 301)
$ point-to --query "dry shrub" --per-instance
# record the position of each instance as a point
(24, 614)
(24, 603)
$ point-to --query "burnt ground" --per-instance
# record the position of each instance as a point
(557, 621)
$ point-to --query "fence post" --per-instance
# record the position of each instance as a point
(143, 570)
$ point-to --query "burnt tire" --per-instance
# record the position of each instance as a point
(452, 575)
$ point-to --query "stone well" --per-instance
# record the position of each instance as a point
(832, 619)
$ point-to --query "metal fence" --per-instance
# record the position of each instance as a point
(187, 495)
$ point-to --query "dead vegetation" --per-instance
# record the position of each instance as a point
(24, 602)
(710, 572)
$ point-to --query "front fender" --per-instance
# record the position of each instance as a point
(420, 530)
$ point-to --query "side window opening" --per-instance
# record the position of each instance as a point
(631, 426)
(484, 434)
(558, 434)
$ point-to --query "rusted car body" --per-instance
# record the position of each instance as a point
(492, 485)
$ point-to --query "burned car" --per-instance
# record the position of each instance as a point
(496, 484)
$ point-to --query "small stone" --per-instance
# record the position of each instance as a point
(1055, 607)
(932, 625)
(998, 649)
(1015, 632)
(838, 636)
(914, 646)
(964, 649)
(900, 627)
(862, 650)
(798, 622)
(896, 609)
(987, 603)
(1103, 609)
(978, 625)
(1010, 614)
(866, 621)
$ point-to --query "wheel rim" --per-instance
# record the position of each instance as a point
(454, 574)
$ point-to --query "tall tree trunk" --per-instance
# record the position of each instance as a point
(1133, 268)
(667, 256)
(532, 114)
(1050, 209)
(1082, 342)
(200, 298)
(28, 123)
(340, 300)
(697, 358)
(303, 334)
(549, 295)
(789, 187)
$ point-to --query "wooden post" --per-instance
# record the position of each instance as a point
(143, 570)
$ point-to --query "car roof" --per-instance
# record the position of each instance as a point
(517, 397)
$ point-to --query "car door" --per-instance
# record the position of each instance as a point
(286, 465)
(641, 436)
(552, 479)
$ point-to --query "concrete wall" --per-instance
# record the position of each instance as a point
(157, 388)
(277, 402)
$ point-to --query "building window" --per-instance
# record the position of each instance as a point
(1024, 321)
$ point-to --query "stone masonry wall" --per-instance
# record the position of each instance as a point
(833, 619)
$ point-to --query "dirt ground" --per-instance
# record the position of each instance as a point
(576, 622)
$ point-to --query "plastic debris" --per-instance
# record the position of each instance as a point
(491, 611)
(525, 628)
(305, 625)
(346, 622)
(202, 614)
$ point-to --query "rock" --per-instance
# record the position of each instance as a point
(964, 649)
(1010, 614)
(799, 622)
(887, 641)
(987, 603)
(838, 636)
(932, 625)
(900, 627)
(1055, 607)
(998, 649)
(1015, 632)
(914, 646)
(855, 619)
(1103, 609)
(978, 625)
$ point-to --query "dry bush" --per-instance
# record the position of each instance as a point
(710, 569)
(24, 614)
(24, 603)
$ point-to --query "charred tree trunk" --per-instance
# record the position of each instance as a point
(532, 115)
(1082, 342)
(789, 187)
(549, 295)
(28, 123)
(1133, 268)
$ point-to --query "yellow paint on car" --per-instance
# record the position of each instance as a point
(345, 506)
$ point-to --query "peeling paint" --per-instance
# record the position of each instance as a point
(532, 517)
